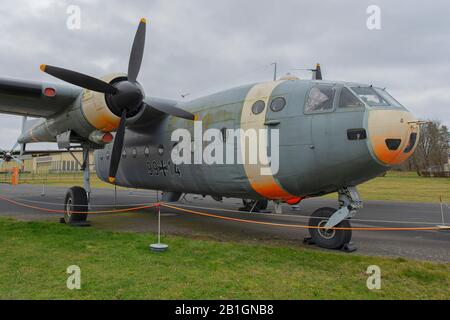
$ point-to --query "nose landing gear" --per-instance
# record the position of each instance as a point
(323, 220)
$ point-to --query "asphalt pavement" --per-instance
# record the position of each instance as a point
(420, 245)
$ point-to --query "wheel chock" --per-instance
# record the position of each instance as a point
(308, 241)
(349, 247)
(79, 224)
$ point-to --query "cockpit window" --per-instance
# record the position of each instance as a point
(376, 97)
(348, 100)
(320, 99)
(388, 97)
(370, 96)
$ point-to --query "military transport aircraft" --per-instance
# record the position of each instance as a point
(332, 137)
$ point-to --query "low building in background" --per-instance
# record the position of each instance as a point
(62, 162)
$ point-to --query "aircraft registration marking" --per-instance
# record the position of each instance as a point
(162, 168)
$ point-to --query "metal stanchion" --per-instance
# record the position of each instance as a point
(115, 197)
(159, 247)
(443, 226)
(43, 189)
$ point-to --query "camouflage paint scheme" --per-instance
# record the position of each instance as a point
(316, 156)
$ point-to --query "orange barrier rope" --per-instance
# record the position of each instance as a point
(77, 212)
(226, 218)
(296, 225)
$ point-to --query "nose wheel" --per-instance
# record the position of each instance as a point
(328, 238)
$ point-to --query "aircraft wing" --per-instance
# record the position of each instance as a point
(35, 99)
(44, 152)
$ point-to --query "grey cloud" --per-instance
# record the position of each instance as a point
(202, 46)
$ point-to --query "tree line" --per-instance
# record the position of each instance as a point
(432, 152)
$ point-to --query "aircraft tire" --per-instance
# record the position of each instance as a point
(334, 239)
(76, 200)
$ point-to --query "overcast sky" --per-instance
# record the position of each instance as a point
(202, 46)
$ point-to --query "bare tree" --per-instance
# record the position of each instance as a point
(432, 148)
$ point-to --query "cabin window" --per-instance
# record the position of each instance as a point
(160, 149)
(258, 107)
(147, 152)
(134, 152)
(320, 99)
(277, 104)
(124, 154)
(348, 100)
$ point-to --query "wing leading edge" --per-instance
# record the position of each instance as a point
(35, 99)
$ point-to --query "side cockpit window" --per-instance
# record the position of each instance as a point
(320, 99)
(348, 100)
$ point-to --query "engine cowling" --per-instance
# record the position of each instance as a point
(99, 113)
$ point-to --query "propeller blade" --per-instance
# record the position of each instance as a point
(79, 79)
(18, 161)
(137, 52)
(116, 153)
(174, 111)
(14, 147)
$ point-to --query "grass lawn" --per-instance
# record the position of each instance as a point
(405, 186)
(35, 255)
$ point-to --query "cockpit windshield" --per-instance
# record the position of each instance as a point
(388, 97)
(375, 97)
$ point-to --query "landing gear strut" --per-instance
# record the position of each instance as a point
(76, 203)
(254, 205)
(324, 219)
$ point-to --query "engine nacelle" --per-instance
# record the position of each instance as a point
(97, 111)
(88, 118)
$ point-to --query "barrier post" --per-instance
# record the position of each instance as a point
(159, 247)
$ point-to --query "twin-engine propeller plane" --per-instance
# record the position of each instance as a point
(333, 136)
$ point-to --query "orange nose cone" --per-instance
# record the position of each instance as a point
(392, 135)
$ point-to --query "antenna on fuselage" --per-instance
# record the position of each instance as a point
(316, 73)
(274, 64)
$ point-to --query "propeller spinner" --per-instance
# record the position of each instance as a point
(124, 98)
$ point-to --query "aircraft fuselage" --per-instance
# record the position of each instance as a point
(319, 151)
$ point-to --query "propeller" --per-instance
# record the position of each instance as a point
(124, 98)
(6, 156)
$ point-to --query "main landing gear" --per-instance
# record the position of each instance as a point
(254, 205)
(76, 203)
(324, 219)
